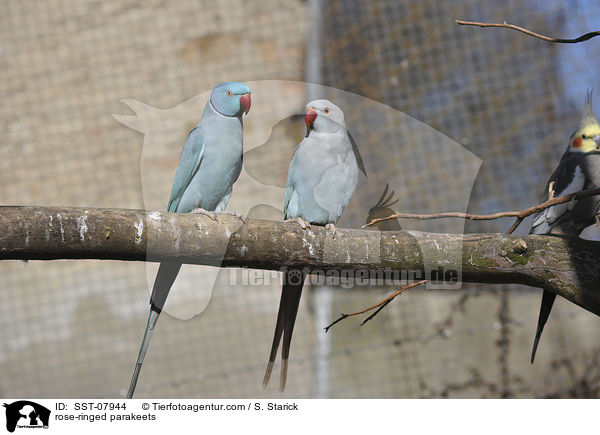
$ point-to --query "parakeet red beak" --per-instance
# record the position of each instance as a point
(309, 117)
(245, 102)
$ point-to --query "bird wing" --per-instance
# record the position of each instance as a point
(290, 206)
(357, 156)
(289, 194)
(567, 178)
(191, 156)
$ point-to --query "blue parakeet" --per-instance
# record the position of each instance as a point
(579, 169)
(210, 163)
(321, 179)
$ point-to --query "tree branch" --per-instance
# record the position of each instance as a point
(567, 267)
(520, 215)
(381, 305)
(581, 38)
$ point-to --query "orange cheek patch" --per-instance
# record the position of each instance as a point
(576, 142)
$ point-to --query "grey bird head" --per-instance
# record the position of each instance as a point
(323, 116)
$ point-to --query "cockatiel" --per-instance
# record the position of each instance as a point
(321, 179)
(579, 169)
(210, 163)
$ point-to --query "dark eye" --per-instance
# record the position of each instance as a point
(229, 93)
(326, 111)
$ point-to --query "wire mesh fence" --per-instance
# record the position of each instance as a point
(451, 118)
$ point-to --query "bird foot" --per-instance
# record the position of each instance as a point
(331, 229)
(210, 214)
(303, 224)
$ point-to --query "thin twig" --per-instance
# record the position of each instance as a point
(515, 225)
(582, 38)
(522, 214)
(380, 305)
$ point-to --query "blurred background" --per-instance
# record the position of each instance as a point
(97, 98)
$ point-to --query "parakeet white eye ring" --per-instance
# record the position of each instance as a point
(326, 111)
(229, 93)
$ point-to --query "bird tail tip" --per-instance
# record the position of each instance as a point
(535, 346)
(268, 374)
(284, 369)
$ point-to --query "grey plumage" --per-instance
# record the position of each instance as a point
(321, 179)
(579, 169)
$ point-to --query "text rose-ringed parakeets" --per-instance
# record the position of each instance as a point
(321, 179)
(210, 163)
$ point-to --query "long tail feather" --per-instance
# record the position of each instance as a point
(167, 272)
(275, 345)
(547, 302)
(291, 310)
(150, 324)
(286, 318)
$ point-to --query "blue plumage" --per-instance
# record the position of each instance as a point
(210, 163)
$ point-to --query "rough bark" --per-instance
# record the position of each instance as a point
(567, 267)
